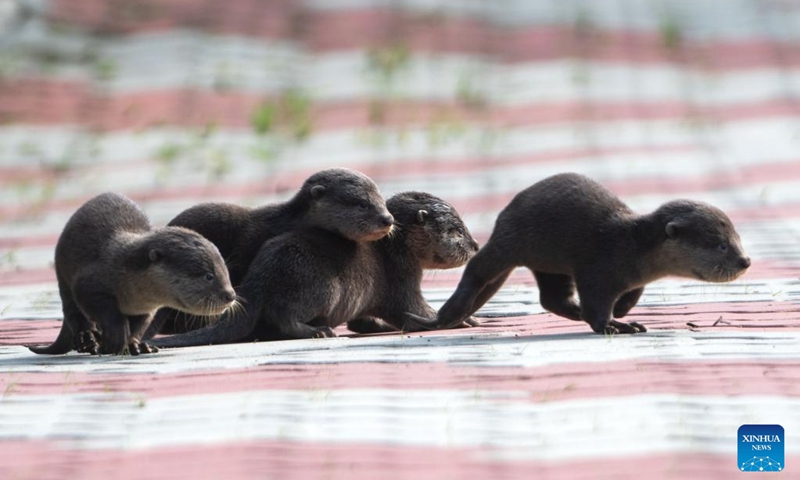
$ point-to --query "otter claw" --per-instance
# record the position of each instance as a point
(87, 342)
(470, 322)
(639, 327)
(610, 330)
(622, 327)
(324, 332)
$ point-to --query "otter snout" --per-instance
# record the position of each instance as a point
(387, 220)
(744, 263)
(382, 226)
(228, 296)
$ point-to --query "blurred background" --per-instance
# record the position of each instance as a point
(176, 102)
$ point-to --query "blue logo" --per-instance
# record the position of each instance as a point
(761, 448)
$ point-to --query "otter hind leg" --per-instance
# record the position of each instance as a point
(73, 328)
(557, 294)
(484, 275)
(100, 308)
(626, 302)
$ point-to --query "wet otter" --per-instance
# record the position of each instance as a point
(342, 201)
(114, 272)
(572, 233)
(304, 283)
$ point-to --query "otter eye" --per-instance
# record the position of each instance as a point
(723, 247)
(460, 231)
(363, 205)
(210, 277)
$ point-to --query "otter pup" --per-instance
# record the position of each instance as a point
(304, 283)
(572, 233)
(342, 201)
(114, 272)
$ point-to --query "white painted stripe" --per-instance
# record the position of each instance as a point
(460, 347)
(548, 431)
(178, 59)
(742, 142)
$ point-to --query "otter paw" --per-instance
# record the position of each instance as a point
(134, 349)
(87, 342)
(324, 332)
(470, 322)
(147, 348)
(623, 327)
(639, 326)
(610, 330)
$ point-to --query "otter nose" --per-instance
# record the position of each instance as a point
(475, 246)
(387, 219)
(744, 262)
(229, 296)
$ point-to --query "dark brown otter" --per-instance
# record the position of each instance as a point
(338, 200)
(114, 272)
(572, 233)
(304, 283)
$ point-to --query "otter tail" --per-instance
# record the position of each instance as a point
(232, 327)
(62, 345)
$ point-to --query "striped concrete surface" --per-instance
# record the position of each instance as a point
(471, 101)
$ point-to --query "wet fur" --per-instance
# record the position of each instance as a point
(304, 283)
(575, 235)
(114, 272)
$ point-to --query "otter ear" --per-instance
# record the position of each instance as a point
(422, 215)
(672, 230)
(317, 191)
(155, 255)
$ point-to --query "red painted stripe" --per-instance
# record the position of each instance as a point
(325, 31)
(50, 102)
(552, 383)
(258, 460)
(272, 19)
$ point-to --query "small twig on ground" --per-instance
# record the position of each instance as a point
(720, 320)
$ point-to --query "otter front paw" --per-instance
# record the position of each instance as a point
(137, 348)
(324, 332)
(631, 327)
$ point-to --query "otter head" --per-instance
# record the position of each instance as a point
(701, 242)
(433, 230)
(188, 271)
(348, 203)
